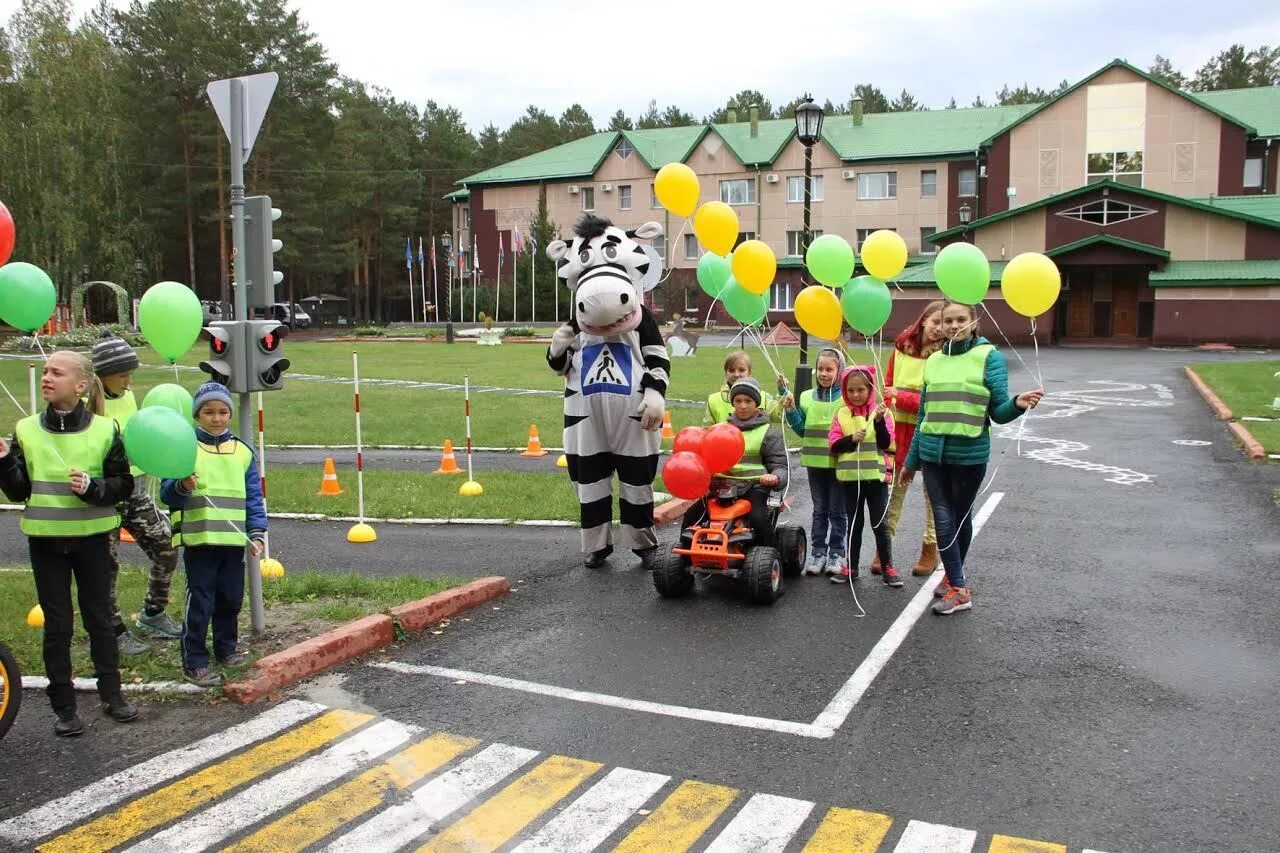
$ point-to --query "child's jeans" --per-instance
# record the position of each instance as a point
(952, 490)
(215, 593)
(869, 497)
(826, 535)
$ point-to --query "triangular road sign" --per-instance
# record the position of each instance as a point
(781, 334)
(258, 89)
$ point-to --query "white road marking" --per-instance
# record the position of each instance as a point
(921, 837)
(595, 815)
(764, 825)
(61, 813)
(395, 827)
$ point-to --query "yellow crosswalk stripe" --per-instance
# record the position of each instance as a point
(680, 820)
(499, 818)
(849, 831)
(1007, 844)
(199, 789)
(347, 803)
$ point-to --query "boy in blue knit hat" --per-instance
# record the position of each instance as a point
(215, 511)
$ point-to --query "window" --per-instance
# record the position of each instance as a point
(738, 192)
(692, 251)
(624, 149)
(691, 299)
(863, 233)
(927, 248)
(928, 183)
(795, 189)
(1122, 166)
(780, 296)
(588, 198)
(878, 185)
(466, 218)
(795, 241)
(968, 182)
(624, 197)
(744, 236)
(1106, 211)
(1184, 162)
(660, 246)
(1048, 168)
(653, 198)
(1253, 172)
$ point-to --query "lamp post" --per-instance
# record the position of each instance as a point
(446, 240)
(966, 216)
(137, 286)
(808, 131)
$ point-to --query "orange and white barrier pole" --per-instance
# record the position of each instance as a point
(470, 488)
(360, 532)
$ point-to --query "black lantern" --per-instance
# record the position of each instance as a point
(966, 214)
(808, 122)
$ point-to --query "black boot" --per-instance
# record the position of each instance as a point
(118, 708)
(596, 559)
(68, 724)
(646, 556)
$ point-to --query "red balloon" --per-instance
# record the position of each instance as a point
(7, 234)
(689, 439)
(722, 447)
(686, 476)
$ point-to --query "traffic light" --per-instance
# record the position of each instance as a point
(259, 247)
(265, 355)
(225, 363)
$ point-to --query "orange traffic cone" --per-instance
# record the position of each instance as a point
(668, 434)
(448, 464)
(126, 536)
(329, 486)
(535, 444)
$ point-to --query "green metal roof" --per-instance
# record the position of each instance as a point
(922, 133)
(577, 159)
(1216, 274)
(459, 195)
(1261, 206)
(761, 149)
(663, 145)
(923, 276)
(1109, 240)
(1259, 106)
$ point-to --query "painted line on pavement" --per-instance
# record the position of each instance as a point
(597, 814)
(765, 824)
(39, 682)
(921, 837)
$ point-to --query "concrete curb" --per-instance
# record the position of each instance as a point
(670, 511)
(1252, 447)
(1220, 410)
(356, 638)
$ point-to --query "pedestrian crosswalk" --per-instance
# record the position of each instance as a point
(300, 776)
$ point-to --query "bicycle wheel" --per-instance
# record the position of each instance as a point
(10, 689)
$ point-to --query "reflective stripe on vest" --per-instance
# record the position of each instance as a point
(957, 398)
(865, 463)
(215, 513)
(718, 408)
(815, 450)
(122, 409)
(908, 372)
(53, 509)
(751, 465)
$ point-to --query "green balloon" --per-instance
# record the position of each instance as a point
(161, 442)
(743, 305)
(713, 273)
(963, 273)
(27, 296)
(169, 396)
(866, 304)
(170, 318)
(830, 260)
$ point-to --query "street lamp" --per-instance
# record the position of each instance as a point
(137, 287)
(966, 216)
(446, 240)
(808, 131)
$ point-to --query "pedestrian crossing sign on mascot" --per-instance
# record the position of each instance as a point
(606, 369)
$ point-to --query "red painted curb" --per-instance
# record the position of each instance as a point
(670, 511)
(420, 614)
(1220, 410)
(1252, 447)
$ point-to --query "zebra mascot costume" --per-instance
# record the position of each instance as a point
(616, 369)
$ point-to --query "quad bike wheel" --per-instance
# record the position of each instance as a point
(671, 575)
(793, 548)
(762, 571)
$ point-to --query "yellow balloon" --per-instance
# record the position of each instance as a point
(884, 254)
(35, 618)
(818, 312)
(754, 266)
(1031, 284)
(677, 188)
(716, 225)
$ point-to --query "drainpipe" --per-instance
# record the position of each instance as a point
(1266, 161)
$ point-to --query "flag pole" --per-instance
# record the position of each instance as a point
(435, 278)
(515, 294)
(497, 283)
(408, 254)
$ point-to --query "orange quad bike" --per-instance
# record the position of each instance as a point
(725, 545)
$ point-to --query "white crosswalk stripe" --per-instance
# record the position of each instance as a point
(764, 825)
(595, 815)
(921, 837)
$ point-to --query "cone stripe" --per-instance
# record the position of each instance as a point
(329, 485)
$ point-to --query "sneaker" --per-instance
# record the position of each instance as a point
(956, 599)
(890, 577)
(843, 576)
(68, 724)
(131, 646)
(119, 709)
(159, 625)
(943, 587)
(202, 676)
(836, 564)
(236, 658)
(816, 564)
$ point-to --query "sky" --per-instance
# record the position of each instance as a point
(493, 59)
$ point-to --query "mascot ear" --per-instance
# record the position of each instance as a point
(557, 249)
(654, 273)
(648, 231)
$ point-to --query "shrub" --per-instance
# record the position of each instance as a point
(520, 332)
(80, 338)
(370, 332)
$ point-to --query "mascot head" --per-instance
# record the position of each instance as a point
(607, 272)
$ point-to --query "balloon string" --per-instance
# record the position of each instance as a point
(176, 380)
(671, 244)
(996, 323)
(13, 398)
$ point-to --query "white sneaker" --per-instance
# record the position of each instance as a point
(835, 564)
(815, 565)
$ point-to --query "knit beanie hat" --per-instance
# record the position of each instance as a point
(209, 392)
(749, 386)
(113, 355)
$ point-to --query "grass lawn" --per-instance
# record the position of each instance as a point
(299, 605)
(1248, 388)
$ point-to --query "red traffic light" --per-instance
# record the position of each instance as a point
(217, 345)
(270, 340)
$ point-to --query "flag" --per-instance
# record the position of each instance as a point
(517, 245)
(408, 253)
(501, 255)
(422, 262)
(433, 253)
(448, 253)
(533, 242)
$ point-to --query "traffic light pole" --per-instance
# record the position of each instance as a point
(257, 613)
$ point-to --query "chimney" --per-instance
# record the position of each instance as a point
(856, 109)
(755, 120)
(731, 113)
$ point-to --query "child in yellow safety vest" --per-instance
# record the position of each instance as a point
(215, 512)
(860, 437)
(69, 467)
(737, 365)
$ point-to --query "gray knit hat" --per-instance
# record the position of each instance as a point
(209, 392)
(113, 355)
(749, 386)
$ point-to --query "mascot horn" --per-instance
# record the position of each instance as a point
(616, 372)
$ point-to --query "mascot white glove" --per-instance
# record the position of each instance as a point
(561, 339)
(651, 410)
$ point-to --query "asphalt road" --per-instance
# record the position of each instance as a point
(1113, 688)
